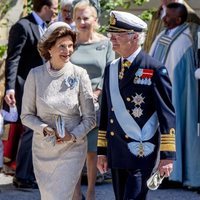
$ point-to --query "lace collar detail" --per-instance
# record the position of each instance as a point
(57, 73)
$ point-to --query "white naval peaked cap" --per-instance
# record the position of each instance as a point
(52, 28)
(123, 22)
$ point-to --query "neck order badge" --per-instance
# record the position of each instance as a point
(125, 65)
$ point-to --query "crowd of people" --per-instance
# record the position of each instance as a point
(127, 101)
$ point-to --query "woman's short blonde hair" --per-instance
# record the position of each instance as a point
(84, 4)
(60, 32)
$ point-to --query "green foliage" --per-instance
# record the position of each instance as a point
(29, 6)
(147, 14)
(108, 5)
(3, 49)
(139, 2)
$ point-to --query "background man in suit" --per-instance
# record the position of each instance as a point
(22, 55)
(137, 117)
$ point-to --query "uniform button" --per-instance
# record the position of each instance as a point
(112, 109)
(126, 136)
(128, 99)
(111, 121)
(112, 133)
(172, 131)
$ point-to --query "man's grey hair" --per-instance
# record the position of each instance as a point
(141, 38)
(66, 2)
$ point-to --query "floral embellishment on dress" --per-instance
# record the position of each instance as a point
(101, 47)
(71, 82)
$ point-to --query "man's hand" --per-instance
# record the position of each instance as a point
(102, 164)
(10, 98)
(165, 167)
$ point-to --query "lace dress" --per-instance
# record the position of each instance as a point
(47, 95)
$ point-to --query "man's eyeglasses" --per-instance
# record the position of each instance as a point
(114, 34)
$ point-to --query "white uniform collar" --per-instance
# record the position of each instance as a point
(133, 56)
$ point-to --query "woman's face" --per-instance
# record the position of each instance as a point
(61, 51)
(85, 20)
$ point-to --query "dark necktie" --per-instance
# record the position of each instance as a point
(124, 67)
(43, 25)
(43, 28)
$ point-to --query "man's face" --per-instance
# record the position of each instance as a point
(122, 42)
(171, 19)
(66, 12)
(51, 11)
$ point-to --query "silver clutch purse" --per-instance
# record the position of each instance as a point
(155, 180)
(60, 126)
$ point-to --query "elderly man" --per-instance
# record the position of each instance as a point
(66, 13)
(137, 122)
(174, 48)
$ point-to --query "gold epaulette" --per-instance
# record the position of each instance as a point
(168, 141)
(102, 141)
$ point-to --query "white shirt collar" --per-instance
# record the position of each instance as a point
(172, 31)
(133, 56)
(37, 18)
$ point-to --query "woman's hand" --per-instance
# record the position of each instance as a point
(48, 131)
(68, 138)
(96, 94)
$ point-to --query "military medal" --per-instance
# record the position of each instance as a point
(143, 76)
(125, 64)
(138, 99)
(141, 150)
(137, 112)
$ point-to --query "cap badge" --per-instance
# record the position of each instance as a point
(112, 19)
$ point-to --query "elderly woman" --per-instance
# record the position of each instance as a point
(93, 53)
(58, 106)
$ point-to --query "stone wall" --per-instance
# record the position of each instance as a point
(14, 13)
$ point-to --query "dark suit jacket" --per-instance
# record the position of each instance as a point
(22, 54)
(112, 140)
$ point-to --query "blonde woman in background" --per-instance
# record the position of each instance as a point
(93, 53)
